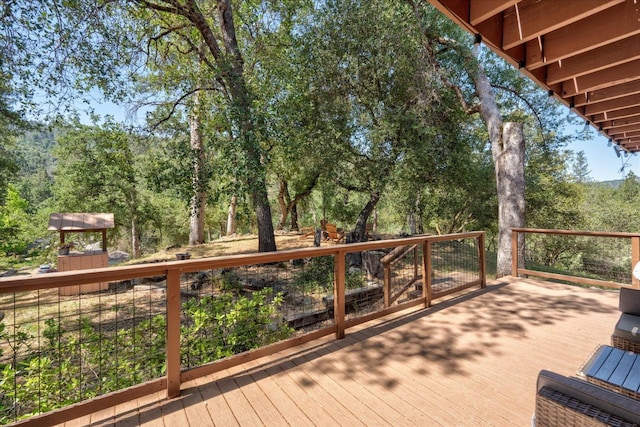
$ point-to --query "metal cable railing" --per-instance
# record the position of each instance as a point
(588, 258)
(157, 325)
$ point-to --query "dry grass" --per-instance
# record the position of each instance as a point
(228, 246)
(28, 310)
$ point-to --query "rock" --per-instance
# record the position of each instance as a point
(372, 265)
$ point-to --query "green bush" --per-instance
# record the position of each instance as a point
(71, 366)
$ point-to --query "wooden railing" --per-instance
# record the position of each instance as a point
(438, 251)
(603, 259)
(388, 261)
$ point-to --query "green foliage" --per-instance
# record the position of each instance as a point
(92, 360)
(224, 325)
(609, 208)
(354, 280)
(317, 276)
(229, 282)
(349, 98)
(13, 223)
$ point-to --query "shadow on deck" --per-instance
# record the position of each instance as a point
(469, 360)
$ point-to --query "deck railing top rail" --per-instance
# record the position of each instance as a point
(58, 279)
(575, 232)
(593, 258)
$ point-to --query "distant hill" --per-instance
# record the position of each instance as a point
(613, 184)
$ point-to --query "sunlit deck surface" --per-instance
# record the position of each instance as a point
(472, 360)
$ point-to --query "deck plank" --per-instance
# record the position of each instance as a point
(149, 411)
(127, 414)
(471, 360)
(219, 410)
(327, 386)
(173, 413)
(196, 408)
(270, 388)
(358, 396)
(264, 408)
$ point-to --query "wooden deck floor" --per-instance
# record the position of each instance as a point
(468, 361)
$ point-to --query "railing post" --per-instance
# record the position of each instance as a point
(482, 261)
(387, 284)
(173, 333)
(514, 253)
(426, 275)
(415, 261)
(635, 257)
(339, 274)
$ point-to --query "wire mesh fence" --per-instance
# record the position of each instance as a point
(59, 346)
(403, 267)
(57, 349)
(455, 264)
(597, 257)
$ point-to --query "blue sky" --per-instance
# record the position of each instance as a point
(603, 162)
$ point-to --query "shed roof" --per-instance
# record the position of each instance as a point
(80, 222)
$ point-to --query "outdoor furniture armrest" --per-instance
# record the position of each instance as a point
(626, 334)
(562, 401)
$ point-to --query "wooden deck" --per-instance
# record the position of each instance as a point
(472, 360)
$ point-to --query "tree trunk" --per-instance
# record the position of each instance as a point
(222, 43)
(360, 230)
(196, 220)
(289, 205)
(283, 204)
(241, 106)
(266, 236)
(507, 149)
(412, 223)
(294, 218)
(231, 216)
(511, 188)
(135, 241)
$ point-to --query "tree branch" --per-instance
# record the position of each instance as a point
(526, 101)
(305, 192)
(174, 105)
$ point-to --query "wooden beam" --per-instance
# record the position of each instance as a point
(606, 94)
(618, 114)
(633, 134)
(607, 56)
(173, 333)
(481, 10)
(457, 10)
(623, 131)
(339, 308)
(535, 58)
(629, 141)
(623, 73)
(532, 18)
(608, 26)
(612, 104)
(608, 124)
(616, 91)
(491, 31)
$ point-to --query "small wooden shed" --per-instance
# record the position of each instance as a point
(66, 223)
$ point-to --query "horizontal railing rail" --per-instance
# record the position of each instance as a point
(603, 259)
(157, 320)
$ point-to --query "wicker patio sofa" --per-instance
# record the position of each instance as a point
(626, 334)
(566, 401)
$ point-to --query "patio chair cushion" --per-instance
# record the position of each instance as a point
(604, 400)
(629, 301)
(628, 327)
